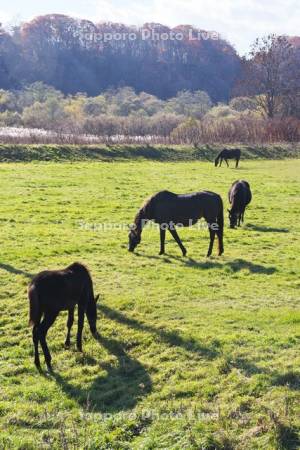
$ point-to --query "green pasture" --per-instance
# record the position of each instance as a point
(193, 353)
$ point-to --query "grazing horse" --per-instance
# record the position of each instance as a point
(52, 291)
(169, 209)
(228, 154)
(239, 196)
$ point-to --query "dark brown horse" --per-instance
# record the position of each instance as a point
(239, 196)
(52, 291)
(228, 154)
(169, 209)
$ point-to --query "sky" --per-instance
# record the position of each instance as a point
(238, 21)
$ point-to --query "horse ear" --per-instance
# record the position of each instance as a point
(97, 298)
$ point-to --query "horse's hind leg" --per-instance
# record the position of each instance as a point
(43, 329)
(212, 234)
(35, 339)
(237, 163)
(220, 241)
(177, 239)
(227, 162)
(220, 233)
(69, 325)
(162, 240)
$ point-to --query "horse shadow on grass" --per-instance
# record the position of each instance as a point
(240, 264)
(126, 381)
(123, 384)
(236, 265)
(170, 338)
(15, 271)
(264, 229)
(184, 260)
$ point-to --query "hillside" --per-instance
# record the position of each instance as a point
(79, 56)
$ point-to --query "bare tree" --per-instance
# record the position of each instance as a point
(270, 74)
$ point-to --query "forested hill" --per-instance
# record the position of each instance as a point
(78, 56)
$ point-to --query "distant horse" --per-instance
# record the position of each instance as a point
(228, 154)
(239, 197)
(52, 291)
(169, 209)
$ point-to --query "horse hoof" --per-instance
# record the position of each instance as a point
(161, 253)
(67, 345)
(184, 252)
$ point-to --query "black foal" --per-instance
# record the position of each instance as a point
(52, 291)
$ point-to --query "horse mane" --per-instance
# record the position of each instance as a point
(79, 268)
(241, 181)
(143, 212)
(219, 156)
(147, 209)
(140, 216)
(75, 266)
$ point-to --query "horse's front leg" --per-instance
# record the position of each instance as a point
(237, 163)
(80, 328)
(212, 234)
(69, 326)
(227, 162)
(221, 160)
(177, 239)
(162, 240)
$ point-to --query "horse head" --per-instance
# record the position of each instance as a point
(233, 218)
(91, 312)
(134, 238)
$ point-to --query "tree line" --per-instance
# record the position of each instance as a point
(264, 106)
(70, 55)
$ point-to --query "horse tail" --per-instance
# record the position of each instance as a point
(34, 310)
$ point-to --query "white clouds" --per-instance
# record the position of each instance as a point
(240, 21)
(4, 17)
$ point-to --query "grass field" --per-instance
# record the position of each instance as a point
(134, 152)
(193, 353)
